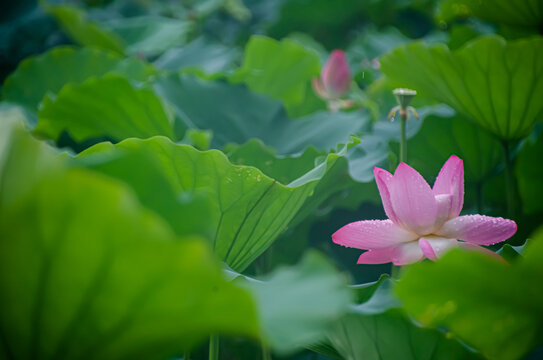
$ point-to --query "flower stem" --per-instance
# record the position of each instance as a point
(403, 137)
(395, 271)
(509, 180)
(214, 347)
(186, 355)
(266, 354)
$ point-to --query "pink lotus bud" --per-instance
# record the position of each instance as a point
(335, 79)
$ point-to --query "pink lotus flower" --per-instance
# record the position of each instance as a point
(335, 80)
(423, 221)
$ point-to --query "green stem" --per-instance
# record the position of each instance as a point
(214, 347)
(403, 137)
(395, 271)
(186, 355)
(266, 264)
(266, 353)
(509, 180)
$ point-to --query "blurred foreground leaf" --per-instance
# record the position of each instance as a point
(495, 307)
(86, 272)
(495, 83)
(297, 304)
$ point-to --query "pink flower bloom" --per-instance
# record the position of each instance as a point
(335, 80)
(423, 221)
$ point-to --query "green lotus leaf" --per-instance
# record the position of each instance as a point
(495, 83)
(87, 272)
(47, 73)
(108, 107)
(249, 209)
(349, 177)
(493, 306)
(280, 69)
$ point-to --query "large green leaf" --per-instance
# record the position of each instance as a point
(280, 69)
(377, 328)
(297, 304)
(241, 115)
(105, 107)
(491, 305)
(71, 276)
(249, 209)
(529, 175)
(523, 13)
(495, 83)
(83, 31)
(49, 72)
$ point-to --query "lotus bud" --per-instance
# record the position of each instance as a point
(335, 79)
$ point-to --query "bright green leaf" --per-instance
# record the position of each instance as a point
(495, 83)
(280, 69)
(106, 107)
